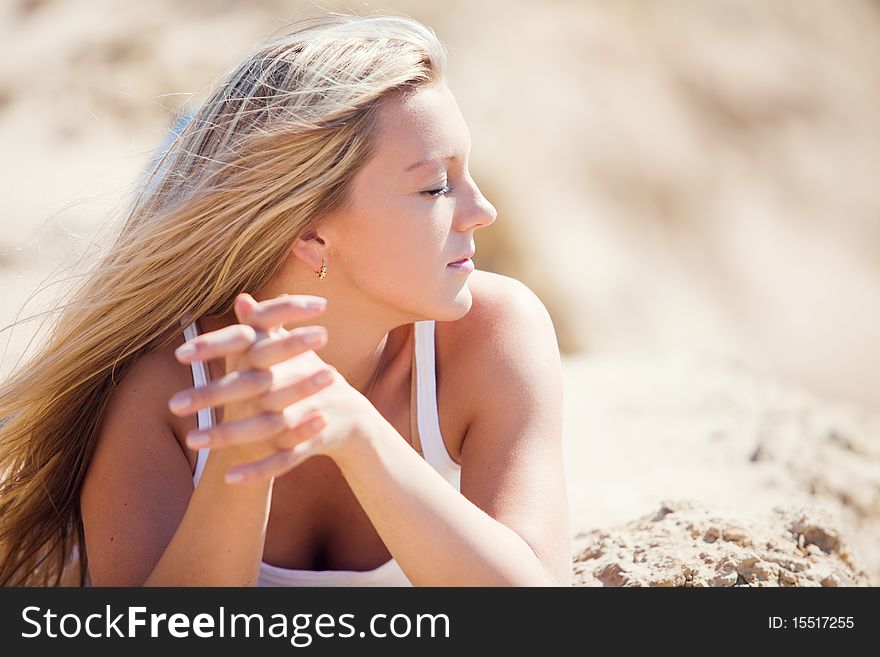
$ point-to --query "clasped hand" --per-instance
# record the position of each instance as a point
(282, 404)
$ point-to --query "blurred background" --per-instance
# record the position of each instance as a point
(690, 187)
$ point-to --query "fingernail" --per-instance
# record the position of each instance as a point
(314, 337)
(233, 477)
(180, 401)
(197, 441)
(322, 377)
(185, 351)
(315, 304)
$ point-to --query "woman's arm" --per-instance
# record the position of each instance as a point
(219, 541)
(509, 526)
(143, 521)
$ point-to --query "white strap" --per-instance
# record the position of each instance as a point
(206, 415)
(433, 446)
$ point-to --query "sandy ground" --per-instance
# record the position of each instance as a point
(750, 474)
(690, 189)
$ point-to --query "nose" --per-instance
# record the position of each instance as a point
(479, 214)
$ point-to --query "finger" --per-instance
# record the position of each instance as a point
(282, 397)
(308, 427)
(233, 387)
(285, 308)
(275, 465)
(237, 432)
(269, 352)
(244, 303)
(254, 429)
(233, 339)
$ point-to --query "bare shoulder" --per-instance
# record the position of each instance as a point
(150, 383)
(507, 327)
(138, 481)
(511, 452)
(504, 313)
(496, 296)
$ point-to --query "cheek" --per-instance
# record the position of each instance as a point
(396, 247)
(408, 259)
(384, 259)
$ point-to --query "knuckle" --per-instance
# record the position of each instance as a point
(274, 422)
(246, 334)
(242, 382)
(260, 357)
(289, 344)
(259, 380)
(199, 396)
(219, 436)
(268, 306)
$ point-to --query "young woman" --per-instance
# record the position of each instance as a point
(195, 419)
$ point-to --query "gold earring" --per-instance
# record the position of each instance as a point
(322, 272)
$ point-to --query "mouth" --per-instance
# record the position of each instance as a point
(464, 259)
(464, 265)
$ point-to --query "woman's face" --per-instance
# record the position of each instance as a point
(414, 209)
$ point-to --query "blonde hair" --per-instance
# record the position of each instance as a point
(271, 152)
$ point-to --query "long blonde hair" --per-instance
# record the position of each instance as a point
(271, 151)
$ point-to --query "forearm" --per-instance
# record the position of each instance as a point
(438, 536)
(219, 541)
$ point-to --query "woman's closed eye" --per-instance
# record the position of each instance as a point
(440, 191)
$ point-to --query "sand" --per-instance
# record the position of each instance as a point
(684, 544)
(696, 472)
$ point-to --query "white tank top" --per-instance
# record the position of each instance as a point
(433, 447)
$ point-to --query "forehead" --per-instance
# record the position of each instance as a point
(423, 123)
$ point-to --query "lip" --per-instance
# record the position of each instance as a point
(467, 257)
(465, 265)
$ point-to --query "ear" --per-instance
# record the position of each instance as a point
(311, 249)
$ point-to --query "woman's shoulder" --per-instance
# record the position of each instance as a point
(147, 386)
(137, 485)
(499, 291)
(156, 375)
(501, 304)
(506, 324)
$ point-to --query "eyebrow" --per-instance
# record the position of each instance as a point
(430, 160)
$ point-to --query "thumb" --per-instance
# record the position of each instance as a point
(243, 305)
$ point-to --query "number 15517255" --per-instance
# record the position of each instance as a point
(810, 622)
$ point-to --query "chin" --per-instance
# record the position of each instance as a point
(458, 306)
(444, 305)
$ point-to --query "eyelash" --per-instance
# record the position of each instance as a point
(441, 191)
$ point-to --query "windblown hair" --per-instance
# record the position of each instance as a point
(273, 150)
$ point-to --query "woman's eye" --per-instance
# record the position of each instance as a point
(439, 191)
